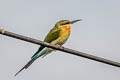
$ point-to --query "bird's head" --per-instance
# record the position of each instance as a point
(66, 23)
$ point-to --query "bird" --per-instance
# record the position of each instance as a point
(58, 35)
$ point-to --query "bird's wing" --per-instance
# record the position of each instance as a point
(52, 35)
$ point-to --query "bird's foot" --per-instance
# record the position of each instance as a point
(3, 31)
(59, 46)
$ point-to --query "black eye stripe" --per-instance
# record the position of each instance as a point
(65, 23)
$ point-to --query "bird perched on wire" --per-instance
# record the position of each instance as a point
(58, 35)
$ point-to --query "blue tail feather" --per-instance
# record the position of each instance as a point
(43, 51)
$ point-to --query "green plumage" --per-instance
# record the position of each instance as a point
(52, 35)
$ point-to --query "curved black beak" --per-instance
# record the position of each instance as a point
(75, 21)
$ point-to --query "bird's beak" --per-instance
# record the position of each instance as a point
(75, 21)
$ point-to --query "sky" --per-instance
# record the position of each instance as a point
(97, 34)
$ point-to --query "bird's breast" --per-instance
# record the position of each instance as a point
(64, 34)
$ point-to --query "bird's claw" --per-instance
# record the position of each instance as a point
(3, 31)
(59, 46)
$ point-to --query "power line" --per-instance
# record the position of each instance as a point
(60, 48)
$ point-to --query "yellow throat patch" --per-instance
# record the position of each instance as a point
(66, 27)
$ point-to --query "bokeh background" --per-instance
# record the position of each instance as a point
(98, 34)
